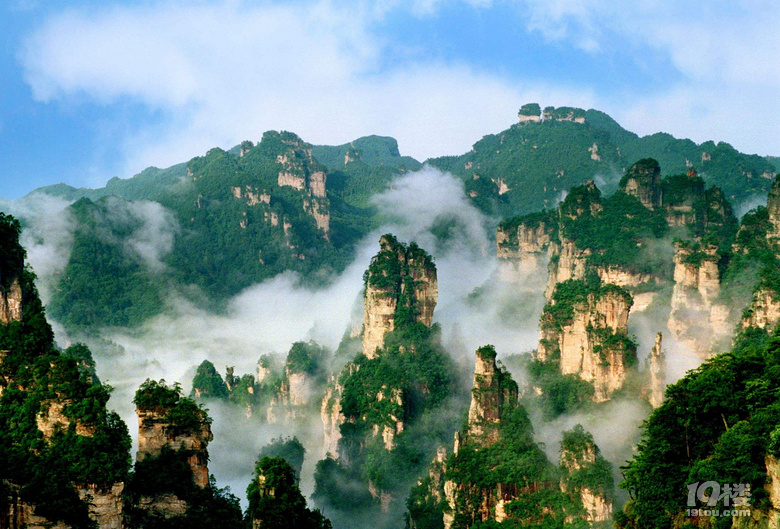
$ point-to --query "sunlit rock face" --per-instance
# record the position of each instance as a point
(696, 318)
(300, 171)
(156, 432)
(492, 392)
(643, 180)
(400, 282)
(584, 344)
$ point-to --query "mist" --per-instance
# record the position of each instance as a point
(477, 305)
(47, 236)
(481, 301)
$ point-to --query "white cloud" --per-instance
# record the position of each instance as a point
(228, 72)
(726, 54)
(47, 236)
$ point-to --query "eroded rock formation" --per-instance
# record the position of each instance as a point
(696, 318)
(51, 419)
(299, 170)
(584, 330)
(331, 416)
(400, 283)
(773, 207)
(492, 391)
(523, 244)
(764, 310)
(105, 504)
(682, 203)
(656, 366)
(155, 431)
(643, 180)
(11, 302)
(580, 461)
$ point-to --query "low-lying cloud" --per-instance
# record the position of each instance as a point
(476, 306)
(47, 236)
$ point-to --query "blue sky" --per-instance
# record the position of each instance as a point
(91, 90)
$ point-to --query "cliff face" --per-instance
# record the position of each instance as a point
(331, 416)
(378, 319)
(17, 514)
(523, 247)
(400, 283)
(493, 393)
(683, 200)
(105, 504)
(656, 365)
(155, 431)
(764, 310)
(643, 180)
(769, 516)
(51, 418)
(580, 457)
(588, 335)
(299, 170)
(695, 318)
(773, 207)
(525, 239)
(11, 302)
(493, 390)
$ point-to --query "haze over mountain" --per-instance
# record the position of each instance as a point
(586, 283)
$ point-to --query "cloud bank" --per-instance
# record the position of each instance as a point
(221, 73)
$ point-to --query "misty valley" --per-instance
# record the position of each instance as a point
(569, 326)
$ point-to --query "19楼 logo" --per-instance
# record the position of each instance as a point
(712, 493)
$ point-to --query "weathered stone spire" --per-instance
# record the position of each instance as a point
(493, 390)
(643, 180)
(401, 287)
(657, 365)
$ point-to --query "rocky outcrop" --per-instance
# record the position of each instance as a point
(251, 195)
(244, 149)
(567, 262)
(577, 115)
(764, 310)
(529, 113)
(400, 282)
(51, 419)
(379, 319)
(643, 180)
(579, 458)
(396, 426)
(696, 319)
(298, 388)
(11, 302)
(165, 505)
(105, 504)
(525, 238)
(628, 279)
(330, 413)
(17, 514)
(594, 152)
(156, 431)
(584, 330)
(301, 171)
(492, 391)
(682, 203)
(773, 208)
(768, 516)
(523, 244)
(656, 367)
